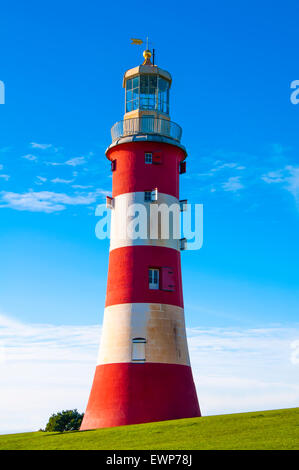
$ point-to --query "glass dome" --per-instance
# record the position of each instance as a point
(148, 92)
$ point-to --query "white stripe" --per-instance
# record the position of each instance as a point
(120, 224)
(162, 326)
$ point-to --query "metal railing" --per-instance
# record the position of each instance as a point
(146, 125)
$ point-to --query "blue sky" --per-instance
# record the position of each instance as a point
(232, 64)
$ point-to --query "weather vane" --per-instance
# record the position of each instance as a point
(138, 42)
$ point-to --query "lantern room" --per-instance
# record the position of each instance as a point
(147, 90)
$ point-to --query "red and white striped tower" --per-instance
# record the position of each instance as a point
(143, 372)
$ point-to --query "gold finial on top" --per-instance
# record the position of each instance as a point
(147, 56)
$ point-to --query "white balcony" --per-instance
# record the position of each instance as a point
(146, 125)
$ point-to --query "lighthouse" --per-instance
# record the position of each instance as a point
(143, 372)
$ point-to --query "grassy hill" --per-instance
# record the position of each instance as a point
(277, 429)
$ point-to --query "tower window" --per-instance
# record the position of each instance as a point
(182, 168)
(183, 244)
(148, 158)
(153, 278)
(138, 349)
(109, 202)
(183, 205)
(150, 196)
(147, 195)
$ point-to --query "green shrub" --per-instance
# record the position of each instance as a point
(66, 420)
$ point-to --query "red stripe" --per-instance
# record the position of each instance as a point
(132, 174)
(128, 275)
(129, 393)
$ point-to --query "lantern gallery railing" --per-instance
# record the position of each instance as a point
(146, 125)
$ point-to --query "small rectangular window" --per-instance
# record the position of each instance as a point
(135, 82)
(113, 165)
(129, 106)
(150, 196)
(148, 158)
(138, 349)
(147, 195)
(153, 278)
(155, 195)
(183, 205)
(182, 167)
(135, 104)
(183, 244)
(109, 202)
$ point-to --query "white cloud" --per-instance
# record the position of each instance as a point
(238, 370)
(44, 368)
(287, 177)
(5, 177)
(60, 180)
(223, 166)
(76, 161)
(295, 352)
(81, 186)
(46, 201)
(51, 367)
(30, 157)
(42, 179)
(35, 145)
(232, 184)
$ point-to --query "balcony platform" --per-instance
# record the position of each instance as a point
(146, 125)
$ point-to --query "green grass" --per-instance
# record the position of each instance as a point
(277, 429)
